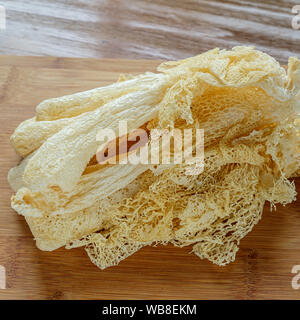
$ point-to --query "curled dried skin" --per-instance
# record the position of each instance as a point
(61, 160)
(90, 188)
(54, 162)
(54, 231)
(247, 104)
(55, 114)
(78, 103)
(214, 210)
(31, 134)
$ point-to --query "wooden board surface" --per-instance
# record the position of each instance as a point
(152, 29)
(263, 265)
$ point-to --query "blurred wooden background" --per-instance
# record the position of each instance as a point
(156, 29)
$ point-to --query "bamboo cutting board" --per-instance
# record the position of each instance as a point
(263, 266)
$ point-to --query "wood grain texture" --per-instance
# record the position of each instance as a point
(263, 265)
(152, 29)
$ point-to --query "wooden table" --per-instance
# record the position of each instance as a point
(263, 265)
(152, 29)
